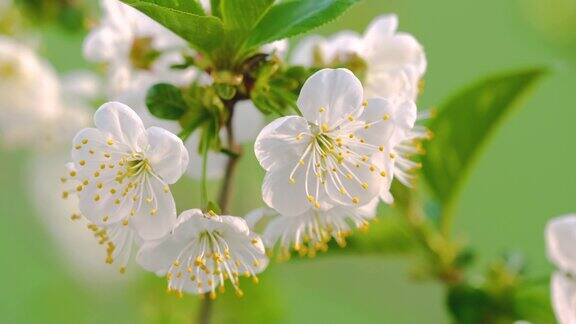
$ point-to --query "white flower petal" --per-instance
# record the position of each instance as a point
(384, 25)
(155, 210)
(286, 197)
(564, 298)
(561, 242)
(167, 154)
(122, 123)
(278, 143)
(330, 96)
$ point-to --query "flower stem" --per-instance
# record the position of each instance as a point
(205, 314)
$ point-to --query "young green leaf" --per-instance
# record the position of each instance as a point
(464, 123)
(290, 18)
(204, 33)
(165, 101)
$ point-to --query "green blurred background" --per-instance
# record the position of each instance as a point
(524, 177)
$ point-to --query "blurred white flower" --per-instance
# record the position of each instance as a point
(29, 92)
(327, 157)
(137, 50)
(561, 248)
(77, 244)
(125, 169)
(203, 251)
(5, 5)
(310, 231)
(392, 63)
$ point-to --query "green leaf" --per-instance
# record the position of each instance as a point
(464, 123)
(204, 33)
(241, 15)
(165, 101)
(290, 18)
(189, 6)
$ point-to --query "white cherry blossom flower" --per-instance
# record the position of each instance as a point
(310, 231)
(136, 49)
(561, 247)
(392, 63)
(203, 251)
(327, 157)
(125, 170)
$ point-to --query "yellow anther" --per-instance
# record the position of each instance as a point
(365, 103)
(117, 201)
(166, 189)
(110, 142)
(72, 173)
(386, 117)
(291, 180)
(102, 166)
(99, 185)
(322, 109)
(122, 270)
(372, 168)
(324, 127)
(125, 222)
(107, 155)
(96, 174)
(383, 173)
(301, 162)
(381, 148)
(84, 141)
(392, 156)
(82, 162)
(310, 198)
(97, 198)
(153, 212)
(105, 218)
(350, 118)
(75, 217)
(91, 151)
(112, 191)
(365, 185)
(355, 200)
(78, 146)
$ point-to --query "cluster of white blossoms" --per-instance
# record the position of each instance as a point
(327, 170)
(561, 240)
(121, 172)
(390, 64)
(330, 166)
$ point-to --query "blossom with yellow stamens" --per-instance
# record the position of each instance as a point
(326, 157)
(310, 231)
(123, 171)
(203, 252)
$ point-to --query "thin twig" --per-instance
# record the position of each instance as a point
(205, 314)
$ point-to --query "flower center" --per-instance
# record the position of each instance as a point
(142, 54)
(135, 164)
(8, 69)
